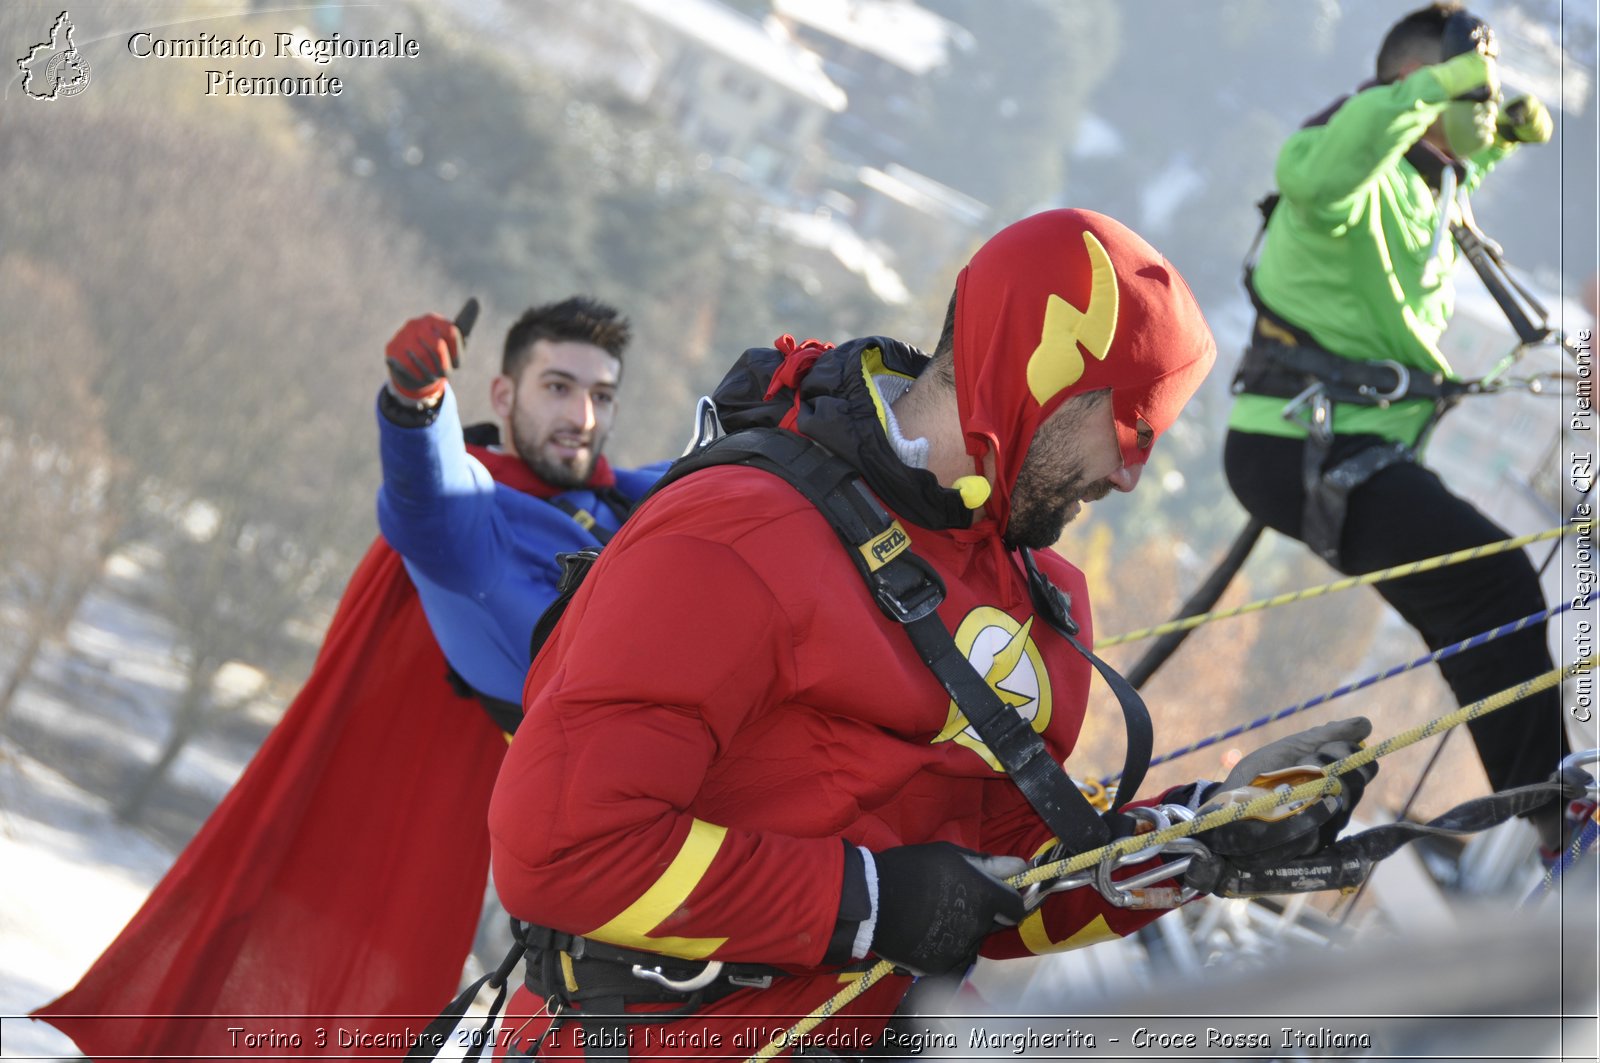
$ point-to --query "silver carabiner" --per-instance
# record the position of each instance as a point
(1131, 892)
(1402, 384)
(1035, 894)
(1312, 411)
(1578, 761)
(1433, 270)
(712, 969)
(707, 425)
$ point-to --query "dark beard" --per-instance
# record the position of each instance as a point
(1038, 517)
(551, 472)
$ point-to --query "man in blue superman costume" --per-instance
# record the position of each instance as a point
(343, 874)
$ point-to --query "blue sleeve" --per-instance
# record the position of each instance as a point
(436, 505)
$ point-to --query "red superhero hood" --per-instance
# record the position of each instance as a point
(1064, 303)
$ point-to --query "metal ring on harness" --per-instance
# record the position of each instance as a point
(1402, 385)
(1577, 761)
(1095, 791)
(713, 968)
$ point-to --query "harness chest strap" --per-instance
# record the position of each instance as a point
(507, 715)
(909, 591)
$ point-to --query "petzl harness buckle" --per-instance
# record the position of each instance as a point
(906, 604)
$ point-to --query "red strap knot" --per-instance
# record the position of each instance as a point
(798, 358)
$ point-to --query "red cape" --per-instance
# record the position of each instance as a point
(336, 889)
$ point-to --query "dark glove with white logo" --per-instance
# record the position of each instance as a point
(1296, 831)
(937, 902)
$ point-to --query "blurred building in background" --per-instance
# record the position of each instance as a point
(878, 51)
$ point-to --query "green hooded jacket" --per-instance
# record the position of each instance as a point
(1345, 250)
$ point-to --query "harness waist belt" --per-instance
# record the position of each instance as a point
(576, 970)
(1279, 370)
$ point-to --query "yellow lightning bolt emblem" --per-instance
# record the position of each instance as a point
(1014, 671)
(1057, 363)
(1005, 662)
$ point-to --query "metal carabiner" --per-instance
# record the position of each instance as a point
(1096, 794)
(1578, 761)
(1315, 419)
(712, 969)
(1402, 385)
(1035, 894)
(1433, 269)
(1131, 892)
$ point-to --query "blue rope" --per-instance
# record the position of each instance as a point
(1360, 684)
(1569, 856)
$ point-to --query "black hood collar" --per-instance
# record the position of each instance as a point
(830, 401)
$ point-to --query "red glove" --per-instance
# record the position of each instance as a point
(421, 356)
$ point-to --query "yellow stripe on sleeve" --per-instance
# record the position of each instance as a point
(632, 928)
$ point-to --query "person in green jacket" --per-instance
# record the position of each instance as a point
(1343, 375)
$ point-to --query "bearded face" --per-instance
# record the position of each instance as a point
(1073, 459)
(560, 408)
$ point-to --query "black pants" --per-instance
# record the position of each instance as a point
(1405, 513)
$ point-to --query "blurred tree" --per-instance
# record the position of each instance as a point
(54, 523)
(1015, 98)
(237, 381)
(474, 156)
(231, 586)
(524, 189)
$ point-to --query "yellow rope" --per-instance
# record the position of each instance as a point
(1278, 797)
(1411, 568)
(1308, 791)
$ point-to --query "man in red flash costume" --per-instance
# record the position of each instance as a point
(737, 757)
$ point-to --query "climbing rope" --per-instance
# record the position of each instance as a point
(1396, 572)
(1582, 843)
(1475, 641)
(1283, 795)
(1582, 840)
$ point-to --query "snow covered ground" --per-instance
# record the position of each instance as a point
(94, 714)
(73, 877)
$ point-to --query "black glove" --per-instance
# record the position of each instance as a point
(937, 902)
(1258, 843)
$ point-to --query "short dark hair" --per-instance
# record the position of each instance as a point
(943, 363)
(579, 319)
(1415, 37)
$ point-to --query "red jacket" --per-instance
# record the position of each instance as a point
(724, 707)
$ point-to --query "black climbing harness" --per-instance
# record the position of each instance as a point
(603, 979)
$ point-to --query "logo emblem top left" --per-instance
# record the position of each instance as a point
(54, 68)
